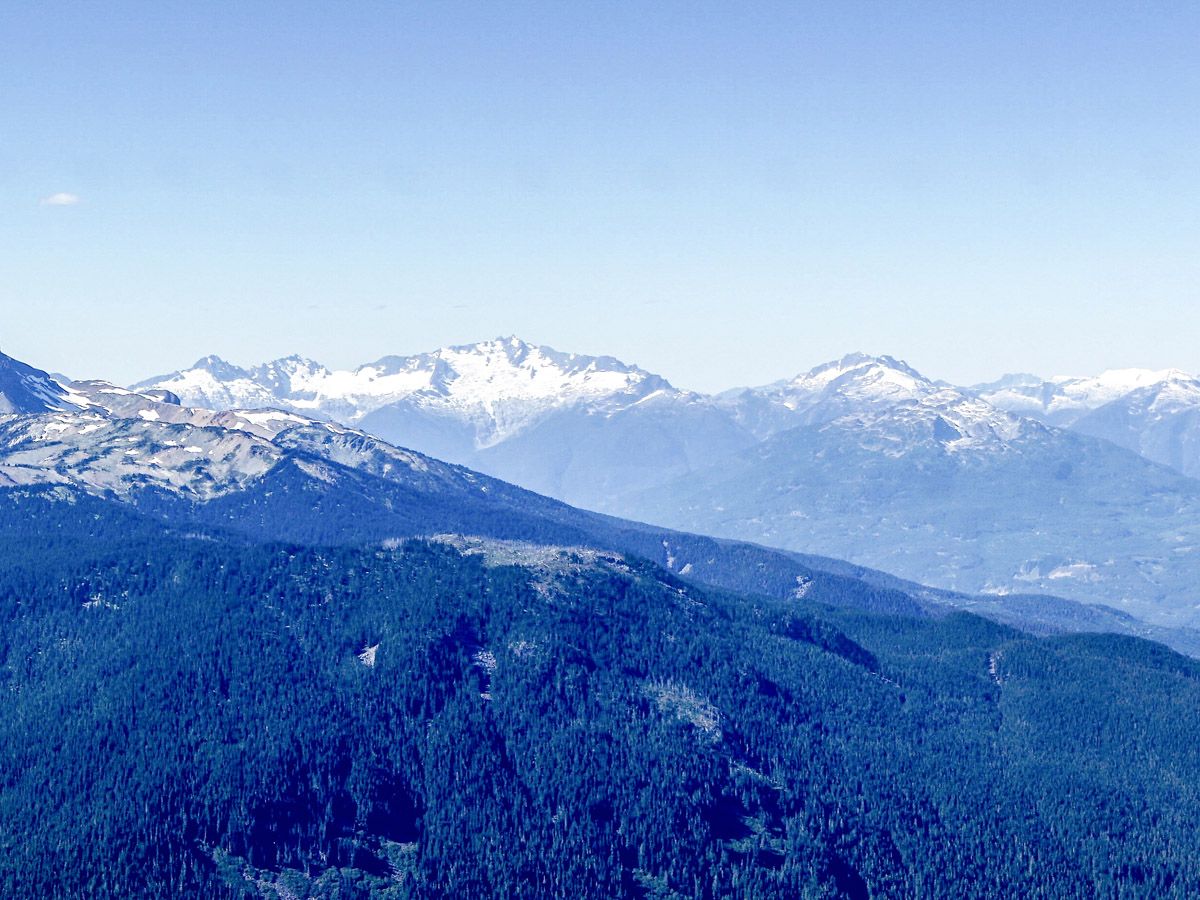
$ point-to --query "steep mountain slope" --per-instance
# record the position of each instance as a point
(24, 389)
(190, 716)
(893, 471)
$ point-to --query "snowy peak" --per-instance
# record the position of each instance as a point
(1063, 400)
(862, 362)
(1169, 393)
(855, 380)
(495, 388)
(219, 368)
(891, 405)
(879, 377)
(1160, 420)
(507, 369)
(499, 388)
(1177, 392)
(212, 383)
(290, 376)
(1096, 391)
(25, 390)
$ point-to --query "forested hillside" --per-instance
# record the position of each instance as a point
(187, 715)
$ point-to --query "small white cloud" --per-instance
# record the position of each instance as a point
(62, 198)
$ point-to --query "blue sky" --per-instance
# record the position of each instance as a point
(723, 193)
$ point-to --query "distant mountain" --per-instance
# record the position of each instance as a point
(886, 397)
(1064, 400)
(1161, 421)
(557, 423)
(1154, 413)
(863, 458)
(275, 475)
(894, 471)
(493, 389)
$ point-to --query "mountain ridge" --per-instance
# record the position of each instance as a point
(477, 381)
(274, 474)
(865, 458)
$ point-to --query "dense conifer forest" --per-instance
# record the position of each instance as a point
(188, 715)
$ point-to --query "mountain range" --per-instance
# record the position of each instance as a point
(275, 475)
(252, 653)
(1074, 487)
(556, 423)
(1154, 413)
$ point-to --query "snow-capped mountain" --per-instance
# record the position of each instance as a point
(1153, 412)
(863, 458)
(215, 384)
(1063, 400)
(883, 397)
(497, 388)
(1161, 421)
(557, 423)
(563, 424)
(883, 466)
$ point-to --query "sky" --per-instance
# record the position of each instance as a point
(723, 193)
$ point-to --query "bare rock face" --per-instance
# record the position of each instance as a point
(25, 390)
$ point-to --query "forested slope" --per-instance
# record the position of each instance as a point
(186, 716)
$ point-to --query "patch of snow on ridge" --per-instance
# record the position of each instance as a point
(1081, 570)
(486, 660)
(124, 455)
(270, 417)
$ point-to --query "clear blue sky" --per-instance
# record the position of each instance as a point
(723, 193)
